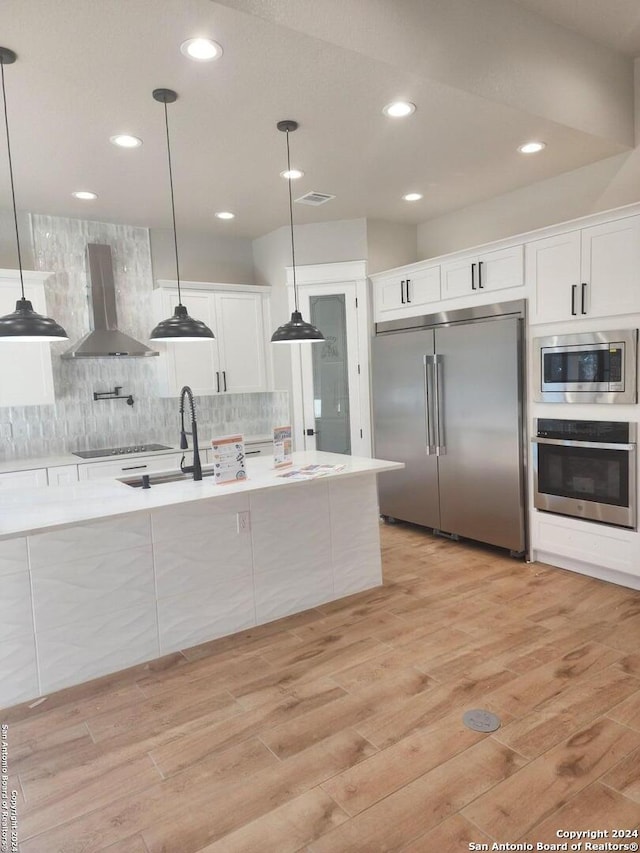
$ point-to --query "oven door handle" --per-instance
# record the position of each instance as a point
(595, 445)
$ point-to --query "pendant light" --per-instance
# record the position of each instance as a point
(180, 327)
(23, 324)
(296, 330)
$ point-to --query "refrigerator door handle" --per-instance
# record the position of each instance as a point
(441, 447)
(429, 397)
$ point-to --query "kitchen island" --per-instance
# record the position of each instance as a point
(99, 576)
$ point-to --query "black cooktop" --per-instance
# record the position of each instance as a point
(119, 451)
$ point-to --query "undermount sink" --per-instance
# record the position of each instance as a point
(137, 482)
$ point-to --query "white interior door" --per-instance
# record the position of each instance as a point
(330, 378)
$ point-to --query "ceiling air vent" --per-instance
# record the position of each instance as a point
(314, 198)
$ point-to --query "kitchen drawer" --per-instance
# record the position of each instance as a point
(130, 467)
(15, 479)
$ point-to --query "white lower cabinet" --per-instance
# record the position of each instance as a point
(62, 475)
(18, 670)
(14, 479)
(203, 568)
(237, 360)
(585, 546)
(128, 467)
(93, 599)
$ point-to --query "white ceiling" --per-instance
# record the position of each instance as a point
(86, 70)
(615, 23)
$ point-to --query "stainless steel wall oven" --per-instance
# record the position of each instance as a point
(586, 469)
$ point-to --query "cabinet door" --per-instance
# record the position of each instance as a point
(193, 363)
(501, 269)
(553, 275)
(131, 467)
(241, 342)
(610, 264)
(35, 477)
(62, 475)
(26, 376)
(389, 294)
(423, 287)
(456, 277)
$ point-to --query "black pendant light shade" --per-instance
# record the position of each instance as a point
(23, 324)
(180, 327)
(296, 330)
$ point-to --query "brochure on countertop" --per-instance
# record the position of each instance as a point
(228, 458)
(310, 472)
(282, 447)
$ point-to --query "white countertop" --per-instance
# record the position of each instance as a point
(29, 464)
(25, 511)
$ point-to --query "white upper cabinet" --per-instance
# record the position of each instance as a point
(553, 273)
(402, 294)
(611, 267)
(26, 376)
(495, 270)
(241, 341)
(237, 360)
(588, 273)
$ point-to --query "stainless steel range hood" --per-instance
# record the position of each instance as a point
(106, 340)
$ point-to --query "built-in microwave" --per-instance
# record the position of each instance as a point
(591, 367)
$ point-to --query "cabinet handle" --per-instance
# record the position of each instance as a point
(583, 292)
(218, 381)
(480, 284)
(134, 467)
(224, 376)
(407, 286)
(574, 287)
(473, 276)
(402, 291)
(253, 452)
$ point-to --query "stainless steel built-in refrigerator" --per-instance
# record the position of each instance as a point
(447, 401)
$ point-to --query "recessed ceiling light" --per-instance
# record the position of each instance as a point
(225, 214)
(399, 109)
(85, 195)
(294, 174)
(125, 141)
(412, 196)
(531, 147)
(203, 50)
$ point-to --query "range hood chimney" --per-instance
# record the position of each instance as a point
(105, 341)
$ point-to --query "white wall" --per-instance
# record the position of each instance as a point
(390, 244)
(8, 247)
(203, 257)
(608, 184)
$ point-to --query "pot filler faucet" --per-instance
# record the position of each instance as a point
(184, 445)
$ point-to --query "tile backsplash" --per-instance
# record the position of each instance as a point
(76, 421)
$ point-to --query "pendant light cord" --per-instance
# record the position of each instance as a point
(13, 193)
(293, 248)
(173, 207)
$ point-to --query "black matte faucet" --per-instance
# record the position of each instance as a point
(196, 467)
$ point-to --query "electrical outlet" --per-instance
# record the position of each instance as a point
(244, 521)
(6, 431)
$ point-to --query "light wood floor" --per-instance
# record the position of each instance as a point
(340, 729)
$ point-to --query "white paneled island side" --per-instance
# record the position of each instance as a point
(98, 576)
